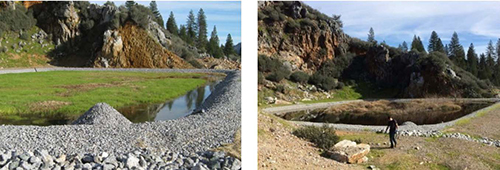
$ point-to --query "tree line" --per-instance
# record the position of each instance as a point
(194, 32)
(485, 66)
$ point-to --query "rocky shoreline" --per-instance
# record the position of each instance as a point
(190, 138)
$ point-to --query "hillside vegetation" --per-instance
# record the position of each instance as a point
(81, 34)
(301, 45)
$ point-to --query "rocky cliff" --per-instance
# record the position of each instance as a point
(303, 39)
(131, 47)
(298, 34)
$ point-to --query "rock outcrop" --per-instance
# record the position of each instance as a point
(294, 37)
(132, 47)
(60, 19)
(349, 152)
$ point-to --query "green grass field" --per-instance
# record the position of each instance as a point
(71, 93)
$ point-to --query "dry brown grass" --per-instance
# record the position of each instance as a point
(47, 105)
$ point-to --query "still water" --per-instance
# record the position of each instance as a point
(173, 109)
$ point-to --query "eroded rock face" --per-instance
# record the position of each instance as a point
(305, 47)
(349, 152)
(61, 20)
(103, 14)
(132, 47)
(156, 32)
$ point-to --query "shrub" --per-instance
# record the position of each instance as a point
(261, 78)
(335, 67)
(291, 25)
(24, 36)
(307, 23)
(322, 81)
(15, 20)
(278, 75)
(299, 77)
(323, 137)
(139, 14)
(360, 44)
(3, 49)
(340, 85)
(280, 88)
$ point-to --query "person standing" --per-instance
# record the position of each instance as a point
(392, 125)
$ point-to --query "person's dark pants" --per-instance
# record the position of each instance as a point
(392, 138)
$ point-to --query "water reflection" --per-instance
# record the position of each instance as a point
(173, 109)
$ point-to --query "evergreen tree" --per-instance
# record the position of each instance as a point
(490, 65)
(157, 15)
(405, 46)
(490, 50)
(202, 29)
(496, 73)
(371, 36)
(457, 53)
(110, 3)
(472, 60)
(483, 71)
(498, 49)
(191, 28)
(416, 44)
(213, 45)
(435, 43)
(446, 50)
(183, 33)
(228, 47)
(171, 24)
(129, 4)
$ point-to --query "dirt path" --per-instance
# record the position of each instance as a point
(279, 149)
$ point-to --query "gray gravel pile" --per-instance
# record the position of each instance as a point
(185, 136)
(41, 159)
(102, 114)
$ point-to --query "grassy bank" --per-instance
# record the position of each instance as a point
(31, 54)
(71, 93)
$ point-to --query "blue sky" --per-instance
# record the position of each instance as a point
(226, 15)
(395, 22)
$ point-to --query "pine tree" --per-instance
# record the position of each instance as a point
(371, 36)
(435, 43)
(183, 33)
(129, 4)
(213, 45)
(191, 28)
(457, 53)
(490, 50)
(416, 44)
(171, 24)
(483, 71)
(158, 18)
(228, 47)
(405, 46)
(490, 64)
(447, 50)
(202, 29)
(472, 60)
(498, 49)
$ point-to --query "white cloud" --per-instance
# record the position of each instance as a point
(473, 21)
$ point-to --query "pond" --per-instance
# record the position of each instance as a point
(171, 109)
(376, 113)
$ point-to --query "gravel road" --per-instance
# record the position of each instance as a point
(189, 135)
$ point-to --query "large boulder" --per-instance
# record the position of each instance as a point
(347, 151)
(102, 114)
